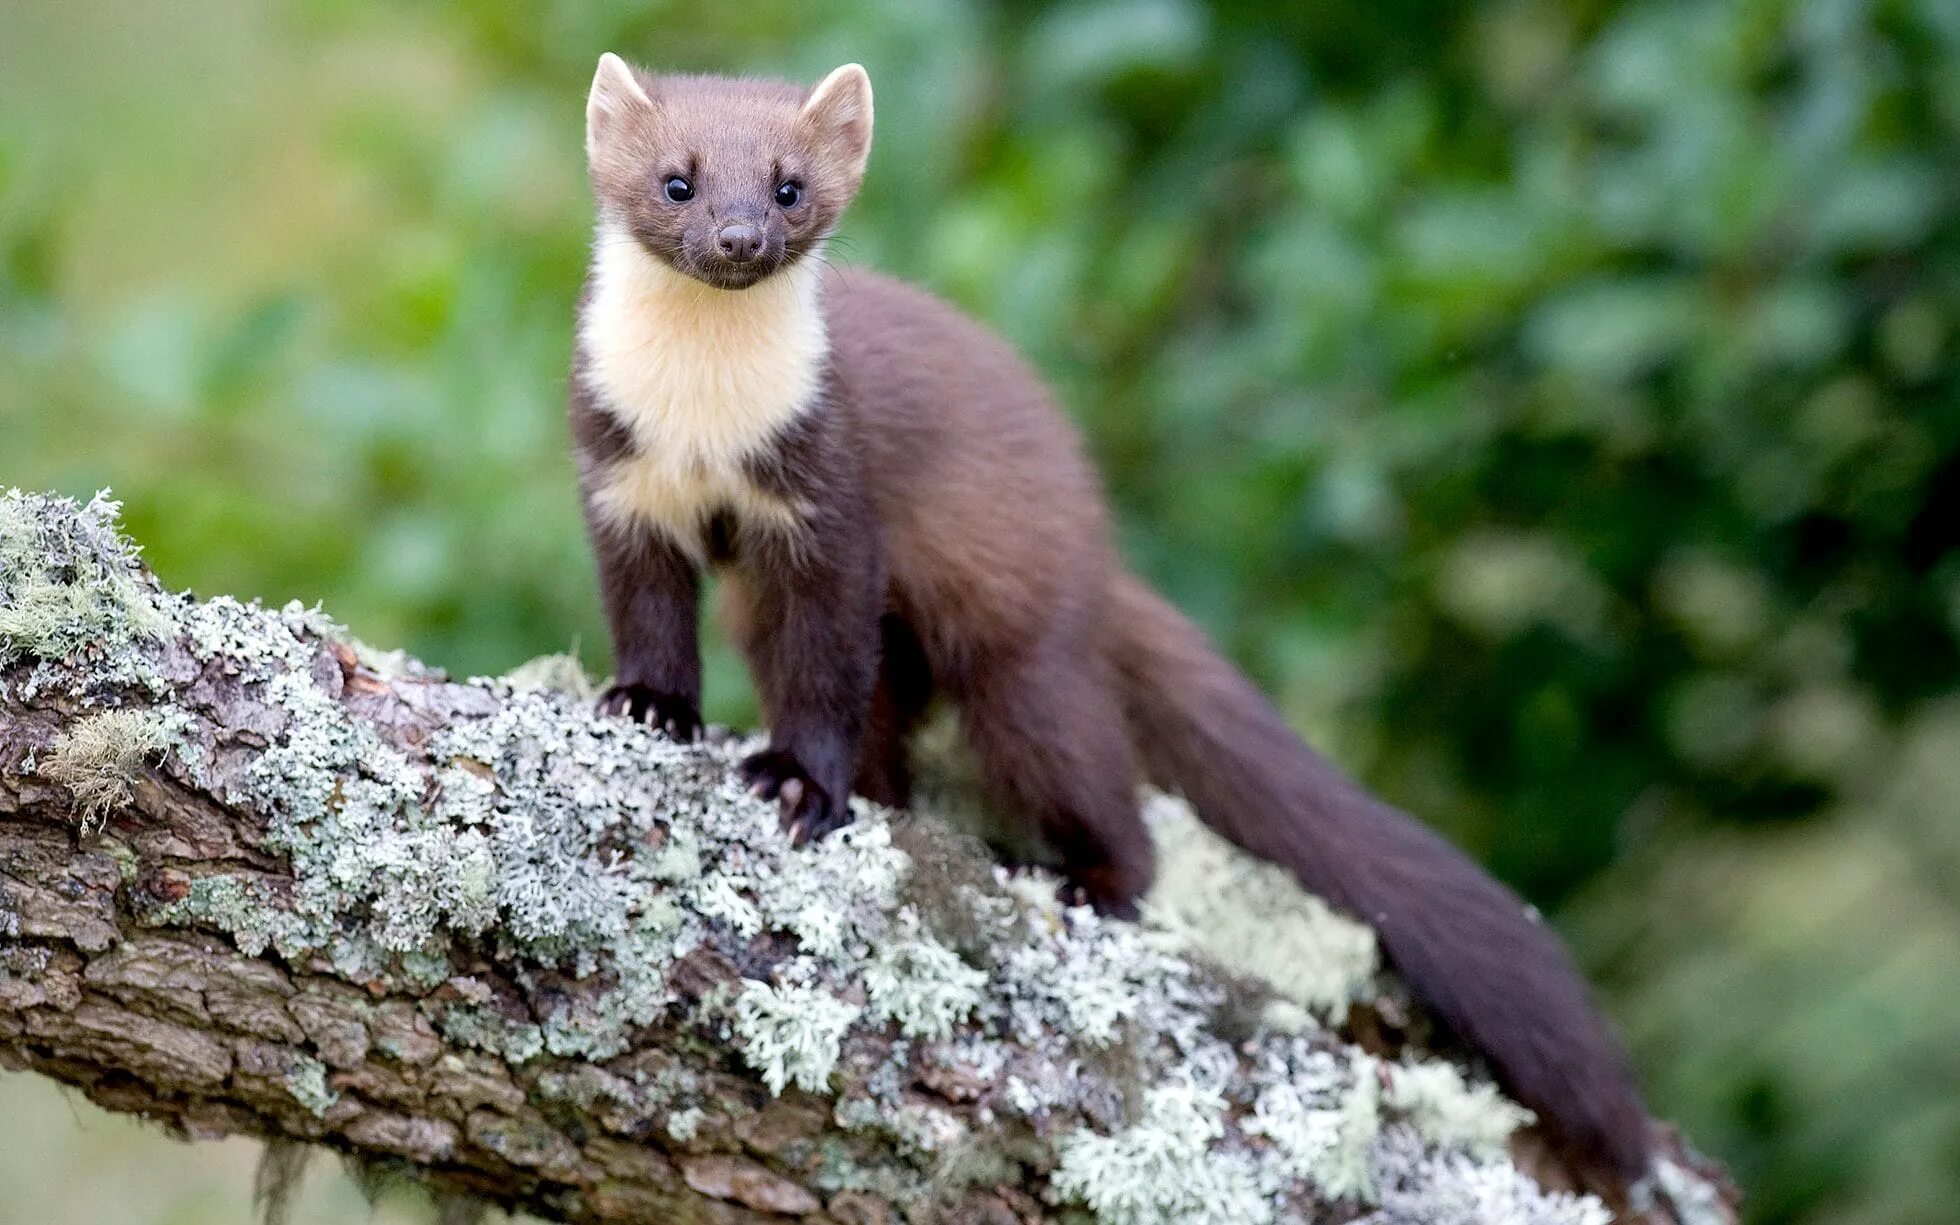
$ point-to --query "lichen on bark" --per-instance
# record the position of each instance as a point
(554, 961)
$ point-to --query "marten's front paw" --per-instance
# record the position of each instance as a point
(1099, 887)
(663, 712)
(809, 810)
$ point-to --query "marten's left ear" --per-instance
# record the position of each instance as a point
(838, 115)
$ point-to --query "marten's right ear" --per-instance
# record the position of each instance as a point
(838, 115)
(616, 98)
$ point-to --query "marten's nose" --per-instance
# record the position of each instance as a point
(739, 241)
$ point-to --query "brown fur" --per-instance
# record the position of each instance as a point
(952, 541)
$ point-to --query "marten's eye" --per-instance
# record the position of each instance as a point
(788, 192)
(679, 190)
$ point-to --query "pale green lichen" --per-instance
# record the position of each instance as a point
(1323, 1119)
(838, 1169)
(1347, 1170)
(1167, 1169)
(837, 895)
(1080, 986)
(598, 1025)
(1451, 1112)
(685, 1123)
(722, 897)
(98, 757)
(790, 1034)
(1421, 1186)
(1692, 1198)
(925, 1128)
(1302, 1115)
(521, 843)
(561, 673)
(923, 986)
(677, 858)
(306, 1080)
(1251, 917)
(916, 1126)
(424, 968)
(246, 910)
(71, 590)
(486, 1030)
(562, 845)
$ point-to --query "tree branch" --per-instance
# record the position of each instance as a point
(255, 878)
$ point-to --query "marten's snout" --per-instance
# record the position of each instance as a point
(732, 251)
(739, 242)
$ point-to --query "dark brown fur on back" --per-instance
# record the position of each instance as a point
(953, 542)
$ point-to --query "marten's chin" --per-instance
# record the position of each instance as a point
(731, 274)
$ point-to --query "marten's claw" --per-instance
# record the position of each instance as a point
(1109, 901)
(808, 810)
(672, 715)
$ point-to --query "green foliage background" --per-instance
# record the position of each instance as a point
(1555, 404)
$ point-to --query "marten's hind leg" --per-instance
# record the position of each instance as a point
(884, 774)
(1050, 736)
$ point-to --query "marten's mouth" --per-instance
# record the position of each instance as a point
(722, 273)
(735, 276)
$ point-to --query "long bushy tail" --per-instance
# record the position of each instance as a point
(1471, 951)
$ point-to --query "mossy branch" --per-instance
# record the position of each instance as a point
(257, 879)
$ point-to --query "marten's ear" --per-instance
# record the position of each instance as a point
(838, 117)
(616, 97)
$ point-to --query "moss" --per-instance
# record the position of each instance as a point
(951, 886)
(99, 756)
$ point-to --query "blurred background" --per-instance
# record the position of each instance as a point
(1555, 402)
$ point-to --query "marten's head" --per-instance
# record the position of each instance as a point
(725, 180)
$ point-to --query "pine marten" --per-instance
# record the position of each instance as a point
(899, 510)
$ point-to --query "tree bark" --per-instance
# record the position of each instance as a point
(256, 879)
